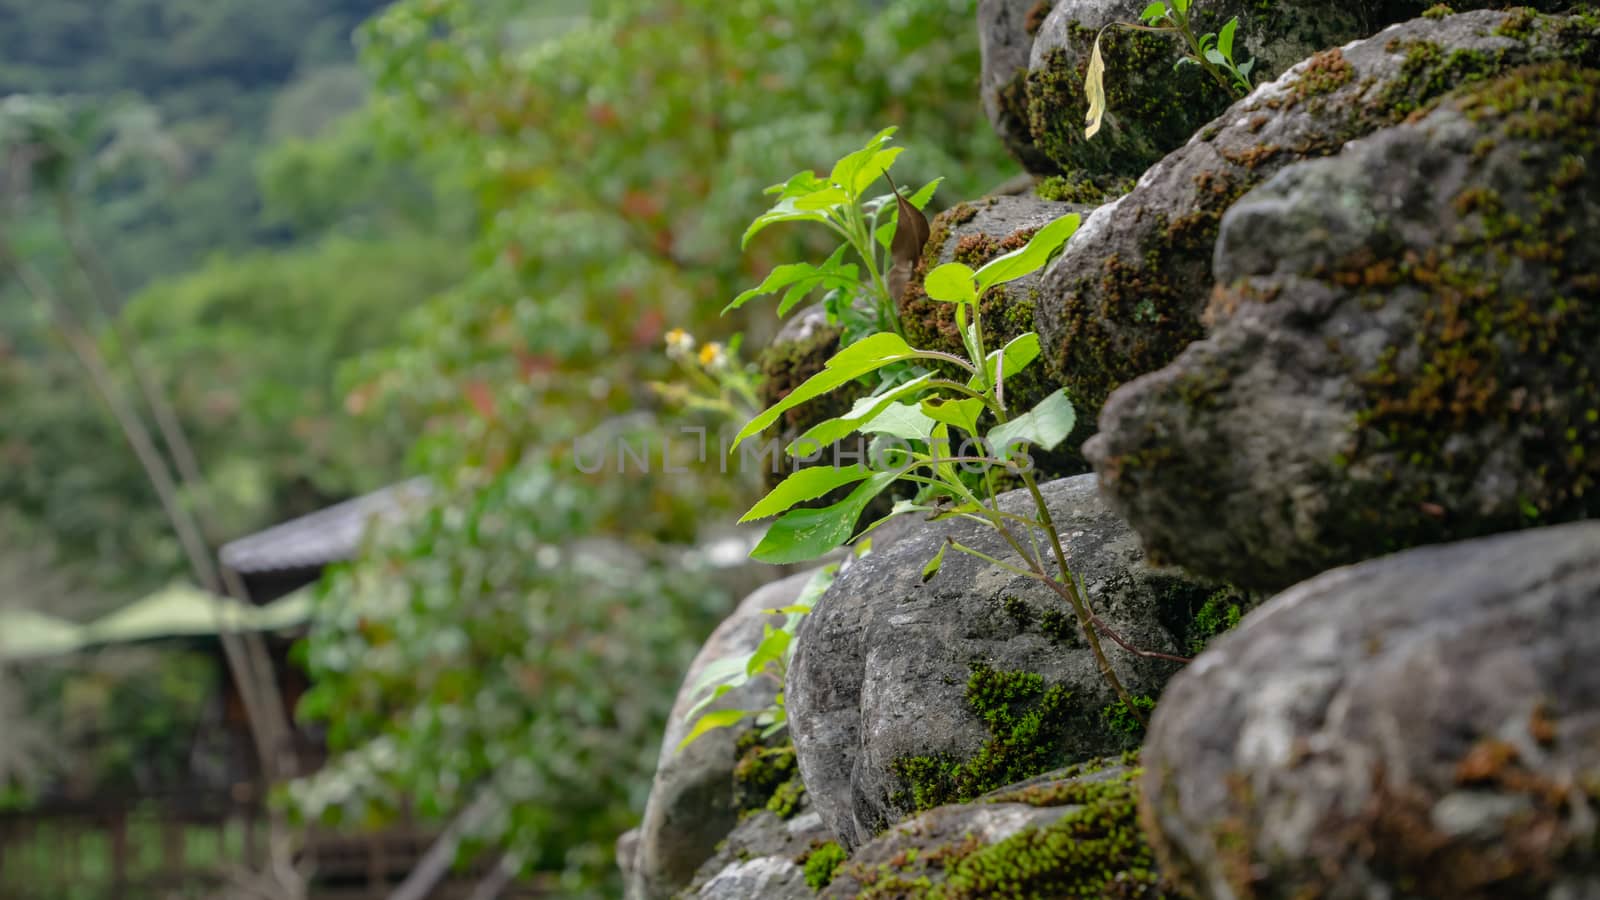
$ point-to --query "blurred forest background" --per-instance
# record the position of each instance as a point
(356, 242)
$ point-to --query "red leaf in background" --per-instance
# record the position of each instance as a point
(531, 364)
(640, 205)
(481, 396)
(647, 330)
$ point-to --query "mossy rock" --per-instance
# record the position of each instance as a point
(1405, 349)
(1071, 835)
(1131, 289)
(1005, 38)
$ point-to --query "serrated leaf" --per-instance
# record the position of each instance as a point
(800, 535)
(800, 279)
(1018, 354)
(1225, 38)
(962, 414)
(827, 198)
(932, 568)
(900, 420)
(1045, 426)
(1094, 88)
(711, 721)
(925, 193)
(951, 283)
(862, 411)
(806, 484)
(877, 166)
(846, 169)
(869, 354)
(1030, 258)
(785, 211)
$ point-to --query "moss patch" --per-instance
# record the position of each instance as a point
(766, 777)
(820, 864)
(1027, 724)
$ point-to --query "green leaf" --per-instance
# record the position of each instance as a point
(932, 568)
(800, 279)
(1094, 88)
(1019, 353)
(874, 169)
(1029, 259)
(805, 534)
(845, 170)
(1216, 58)
(924, 194)
(869, 354)
(798, 183)
(783, 212)
(962, 414)
(1153, 12)
(827, 198)
(1225, 39)
(862, 411)
(774, 645)
(951, 283)
(900, 420)
(1181, 5)
(713, 720)
(728, 685)
(1045, 426)
(806, 484)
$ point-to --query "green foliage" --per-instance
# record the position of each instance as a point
(821, 863)
(1122, 719)
(478, 650)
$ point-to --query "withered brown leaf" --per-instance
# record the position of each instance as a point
(910, 236)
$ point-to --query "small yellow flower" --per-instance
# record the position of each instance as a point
(713, 357)
(680, 343)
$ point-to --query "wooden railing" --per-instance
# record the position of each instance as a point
(175, 848)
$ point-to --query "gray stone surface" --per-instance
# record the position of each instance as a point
(1426, 725)
(761, 859)
(691, 805)
(884, 660)
(1128, 293)
(1404, 349)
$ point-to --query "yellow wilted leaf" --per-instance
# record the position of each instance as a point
(1094, 88)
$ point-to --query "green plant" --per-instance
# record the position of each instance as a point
(1211, 51)
(925, 413)
(715, 380)
(883, 250)
(770, 659)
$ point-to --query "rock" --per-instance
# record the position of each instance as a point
(1405, 349)
(691, 804)
(905, 695)
(975, 233)
(1127, 294)
(1068, 836)
(1005, 37)
(763, 857)
(1153, 109)
(1426, 725)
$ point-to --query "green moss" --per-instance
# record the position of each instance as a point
(1095, 852)
(821, 863)
(1438, 11)
(1323, 73)
(1152, 109)
(1027, 724)
(766, 777)
(1221, 612)
(1078, 188)
(1118, 718)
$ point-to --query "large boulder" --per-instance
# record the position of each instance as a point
(1404, 350)
(692, 805)
(1070, 835)
(905, 695)
(975, 233)
(1426, 726)
(1128, 292)
(1005, 39)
